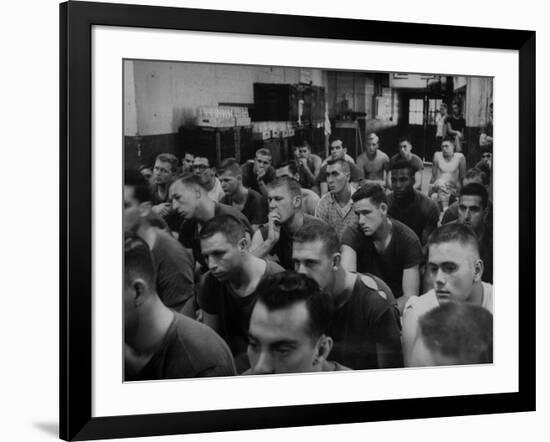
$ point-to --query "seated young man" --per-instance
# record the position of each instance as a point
(338, 152)
(454, 334)
(408, 205)
(381, 245)
(174, 264)
(405, 153)
(309, 198)
(207, 176)
(160, 343)
(288, 330)
(309, 164)
(285, 217)
(258, 172)
(248, 201)
(191, 201)
(373, 162)
(365, 327)
(229, 288)
(336, 206)
(456, 271)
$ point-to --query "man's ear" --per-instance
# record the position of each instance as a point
(384, 208)
(145, 208)
(478, 270)
(297, 201)
(336, 260)
(323, 349)
(244, 243)
(139, 290)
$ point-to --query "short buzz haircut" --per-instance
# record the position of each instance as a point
(373, 191)
(302, 143)
(403, 163)
(227, 225)
(474, 173)
(230, 165)
(265, 152)
(284, 289)
(142, 189)
(460, 331)
(291, 184)
(343, 164)
(335, 139)
(454, 232)
(138, 262)
(488, 148)
(373, 135)
(406, 138)
(476, 189)
(170, 159)
(189, 180)
(292, 166)
(449, 139)
(318, 230)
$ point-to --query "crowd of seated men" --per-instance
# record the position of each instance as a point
(310, 265)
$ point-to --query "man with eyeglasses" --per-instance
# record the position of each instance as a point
(207, 176)
(257, 173)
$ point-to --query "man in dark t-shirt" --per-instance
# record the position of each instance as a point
(381, 245)
(285, 217)
(173, 263)
(365, 326)
(191, 201)
(248, 201)
(159, 343)
(409, 206)
(229, 288)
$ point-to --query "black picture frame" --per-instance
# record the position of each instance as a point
(76, 21)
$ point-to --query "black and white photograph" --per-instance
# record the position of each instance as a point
(283, 220)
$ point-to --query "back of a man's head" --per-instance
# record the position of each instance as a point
(458, 333)
(475, 175)
(292, 167)
(317, 230)
(282, 290)
(141, 187)
(138, 262)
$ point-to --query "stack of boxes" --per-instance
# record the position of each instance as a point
(222, 116)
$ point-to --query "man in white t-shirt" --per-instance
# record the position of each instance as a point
(456, 270)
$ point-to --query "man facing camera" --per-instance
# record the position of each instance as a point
(288, 327)
(159, 343)
(456, 271)
(285, 217)
(229, 288)
(381, 245)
